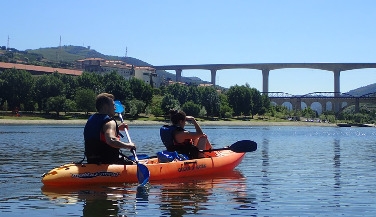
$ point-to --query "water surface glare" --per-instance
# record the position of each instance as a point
(296, 171)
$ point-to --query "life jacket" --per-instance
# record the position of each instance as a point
(167, 135)
(96, 148)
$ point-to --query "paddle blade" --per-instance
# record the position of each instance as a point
(119, 106)
(143, 174)
(243, 146)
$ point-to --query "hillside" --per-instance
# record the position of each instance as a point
(72, 53)
(369, 89)
(67, 54)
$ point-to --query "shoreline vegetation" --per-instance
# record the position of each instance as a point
(4, 121)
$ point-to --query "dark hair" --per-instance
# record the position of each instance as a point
(177, 116)
(103, 99)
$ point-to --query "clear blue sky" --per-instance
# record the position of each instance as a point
(170, 32)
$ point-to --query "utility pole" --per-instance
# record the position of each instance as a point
(58, 51)
(8, 43)
(126, 52)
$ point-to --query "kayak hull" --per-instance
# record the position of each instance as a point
(86, 174)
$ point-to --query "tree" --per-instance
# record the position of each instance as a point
(155, 106)
(191, 108)
(239, 98)
(255, 102)
(91, 81)
(56, 103)
(48, 86)
(136, 107)
(169, 102)
(117, 85)
(140, 90)
(70, 84)
(265, 102)
(85, 100)
(179, 92)
(16, 87)
(225, 109)
(210, 100)
(194, 94)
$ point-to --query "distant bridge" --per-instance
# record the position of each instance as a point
(336, 98)
(336, 68)
(337, 101)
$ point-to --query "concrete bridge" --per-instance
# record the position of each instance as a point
(265, 68)
(338, 101)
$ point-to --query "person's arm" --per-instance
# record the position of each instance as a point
(183, 135)
(194, 122)
(109, 130)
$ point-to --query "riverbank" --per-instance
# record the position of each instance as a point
(140, 122)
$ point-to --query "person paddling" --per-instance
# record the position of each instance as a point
(101, 134)
(184, 141)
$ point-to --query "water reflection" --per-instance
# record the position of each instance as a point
(265, 170)
(174, 198)
(337, 163)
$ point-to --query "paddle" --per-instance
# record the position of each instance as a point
(239, 147)
(143, 173)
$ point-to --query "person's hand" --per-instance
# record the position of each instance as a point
(189, 118)
(131, 146)
(122, 126)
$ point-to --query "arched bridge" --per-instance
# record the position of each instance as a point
(337, 101)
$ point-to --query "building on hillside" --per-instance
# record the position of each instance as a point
(102, 66)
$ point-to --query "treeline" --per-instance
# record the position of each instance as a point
(63, 93)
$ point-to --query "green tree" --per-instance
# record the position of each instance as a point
(16, 87)
(117, 85)
(225, 109)
(265, 102)
(136, 107)
(210, 100)
(56, 103)
(255, 102)
(89, 80)
(169, 102)
(48, 86)
(141, 91)
(70, 84)
(191, 108)
(239, 98)
(194, 94)
(85, 100)
(179, 92)
(156, 109)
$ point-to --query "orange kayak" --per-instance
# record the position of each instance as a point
(86, 174)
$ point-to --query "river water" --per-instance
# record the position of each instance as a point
(296, 171)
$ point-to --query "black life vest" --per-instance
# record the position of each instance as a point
(96, 148)
(166, 133)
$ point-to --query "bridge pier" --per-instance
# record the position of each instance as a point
(337, 74)
(265, 81)
(357, 105)
(337, 90)
(178, 75)
(213, 74)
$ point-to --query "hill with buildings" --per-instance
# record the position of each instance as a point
(70, 53)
